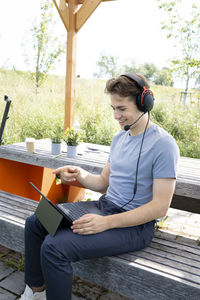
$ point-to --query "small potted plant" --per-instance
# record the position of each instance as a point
(72, 138)
(56, 136)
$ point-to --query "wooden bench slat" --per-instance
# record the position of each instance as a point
(12, 219)
(23, 214)
(178, 257)
(177, 245)
(11, 198)
(162, 263)
(164, 266)
(15, 205)
(184, 254)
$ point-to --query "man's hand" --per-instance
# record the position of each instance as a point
(98, 183)
(67, 173)
(90, 224)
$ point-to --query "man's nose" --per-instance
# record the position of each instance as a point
(117, 115)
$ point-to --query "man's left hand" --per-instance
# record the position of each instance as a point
(90, 224)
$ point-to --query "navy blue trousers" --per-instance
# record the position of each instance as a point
(48, 259)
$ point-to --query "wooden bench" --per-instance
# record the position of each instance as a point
(168, 269)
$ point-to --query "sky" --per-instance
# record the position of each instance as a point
(127, 29)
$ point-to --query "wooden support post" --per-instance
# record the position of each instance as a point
(73, 19)
(70, 87)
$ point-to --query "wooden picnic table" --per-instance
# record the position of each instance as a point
(92, 157)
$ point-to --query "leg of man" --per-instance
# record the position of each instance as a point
(53, 266)
(35, 234)
(65, 247)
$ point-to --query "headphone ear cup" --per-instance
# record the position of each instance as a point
(145, 101)
(138, 102)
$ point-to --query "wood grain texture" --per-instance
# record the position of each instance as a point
(63, 11)
(85, 11)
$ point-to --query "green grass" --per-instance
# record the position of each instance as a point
(36, 115)
(16, 263)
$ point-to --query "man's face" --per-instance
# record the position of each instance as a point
(125, 110)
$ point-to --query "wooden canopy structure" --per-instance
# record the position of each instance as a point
(74, 14)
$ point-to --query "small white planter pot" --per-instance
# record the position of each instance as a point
(71, 151)
(55, 148)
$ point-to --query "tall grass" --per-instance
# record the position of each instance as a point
(35, 115)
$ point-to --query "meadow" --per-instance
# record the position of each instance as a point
(36, 115)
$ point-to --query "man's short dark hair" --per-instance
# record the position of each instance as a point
(124, 87)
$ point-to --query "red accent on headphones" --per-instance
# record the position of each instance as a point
(145, 91)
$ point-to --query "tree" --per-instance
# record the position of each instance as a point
(185, 32)
(164, 77)
(130, 67)
(148, 70)
(46, 48)
(108, 66)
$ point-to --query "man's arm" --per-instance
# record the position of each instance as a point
(163, 190)
(97, 183)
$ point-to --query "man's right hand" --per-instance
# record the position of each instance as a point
(67, 173)
(98, 183)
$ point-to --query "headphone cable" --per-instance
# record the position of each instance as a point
(137, 166)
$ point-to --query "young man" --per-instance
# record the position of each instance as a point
(138, 181)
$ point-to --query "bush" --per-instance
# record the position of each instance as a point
(183, 123)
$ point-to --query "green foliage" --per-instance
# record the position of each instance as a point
(17, 264)
(73, 137)
(30, 115)
(182, 123)
(185, 33)
(46, 47)
(161, 224)
(39, 116)
(163, 77)
(35, 125)
(148, 70)
(108, 68)
(94, 112)
(107, 65)
(99, 127)
(56, 134)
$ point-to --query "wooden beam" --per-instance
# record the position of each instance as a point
(70, 89)
(63, 11)
(81, 1)
(85, 12)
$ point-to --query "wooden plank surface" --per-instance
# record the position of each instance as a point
(188, 181)
(15, 209)
(13, 212)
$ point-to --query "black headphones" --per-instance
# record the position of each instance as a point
(145, 100)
